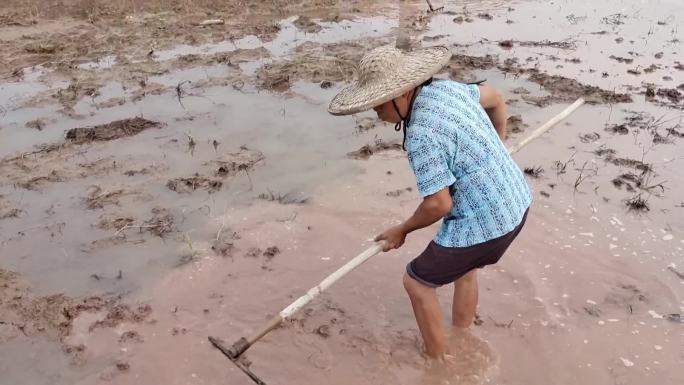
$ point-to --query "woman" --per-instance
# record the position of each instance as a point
(453, 134)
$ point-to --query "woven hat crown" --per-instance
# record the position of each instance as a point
(385, 73)
(379, 63)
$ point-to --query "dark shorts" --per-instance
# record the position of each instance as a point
(439, 265)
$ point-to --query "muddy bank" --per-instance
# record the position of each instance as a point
(84, 38)
(369, 150)
(110, 131)
(25, 315)
(326, 64)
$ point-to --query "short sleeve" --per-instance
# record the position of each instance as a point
(474, 91)
(429, 161)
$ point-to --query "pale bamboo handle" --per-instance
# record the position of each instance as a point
(541, 130)
(329, 280)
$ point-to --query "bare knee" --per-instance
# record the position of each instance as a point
(462, 319)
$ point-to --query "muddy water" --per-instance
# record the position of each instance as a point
(583, 295)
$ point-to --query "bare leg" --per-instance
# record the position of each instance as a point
(428, 314)
(465, 300)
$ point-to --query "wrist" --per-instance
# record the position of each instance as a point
(404, 227)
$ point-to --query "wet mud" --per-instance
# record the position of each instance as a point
(169, 172)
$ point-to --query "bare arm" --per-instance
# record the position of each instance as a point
(433, 208)
(492, 100)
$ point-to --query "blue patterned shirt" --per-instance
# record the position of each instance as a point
(452, 143)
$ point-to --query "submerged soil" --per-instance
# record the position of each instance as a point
(169, 173)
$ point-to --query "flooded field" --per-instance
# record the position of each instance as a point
(162, 181)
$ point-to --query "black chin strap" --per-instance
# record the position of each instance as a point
(401, 125)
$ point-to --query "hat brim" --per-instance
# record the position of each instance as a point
(418, 66)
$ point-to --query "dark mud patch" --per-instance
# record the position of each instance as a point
(460, 67)
(617, 129)
(534, 172)
(37, 124)
(267, 256)
(670, 94)
(315, 63)
(53, 315)
(619, 59)
(289, 198)
(231, 59)
(520, 91)
(233, 163)
(399, 192)
(515, 124)
(161, 223)
(9, 213)
(539, 101)
(77, 353)
(506, 44)
(6, 211)
(122, 313)
(434, 38)
(651, 69)
(625, 180)
(563, 44)
(68, 97)
(303, 23)
(186, 185)
(105, 243)
(110, 131)
(604, 152)
(36, 182)
(98, 198)
(627, 162)
(223, 248)
(565, 89)
(108, 222)
(656, 127)
(369, 150)
(131, 336)
(269, 253)
(589, 137)
(366, 124)
(673, 132)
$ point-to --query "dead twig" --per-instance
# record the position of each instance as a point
(561, 166)
(179, 92)
(191, 143)
(582, 176)
(433, 9)
(678, 273)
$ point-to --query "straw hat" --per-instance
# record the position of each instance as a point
(386, 73)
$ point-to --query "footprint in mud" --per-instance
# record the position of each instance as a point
(471, 361)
